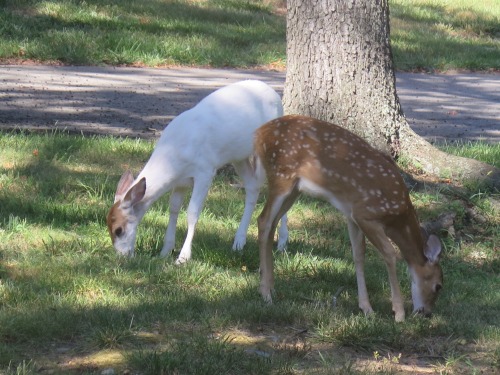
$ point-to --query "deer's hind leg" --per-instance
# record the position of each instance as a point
(277, 204)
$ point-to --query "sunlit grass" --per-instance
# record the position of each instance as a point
(425, 34)
(489, 153)
(221, 33)
(443, 35)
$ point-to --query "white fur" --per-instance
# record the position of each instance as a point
(217, 131)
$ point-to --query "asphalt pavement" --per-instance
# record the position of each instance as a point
(139, 102)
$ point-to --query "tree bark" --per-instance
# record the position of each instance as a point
(340, 69)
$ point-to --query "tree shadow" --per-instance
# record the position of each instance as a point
(105, 101)
(443, 107)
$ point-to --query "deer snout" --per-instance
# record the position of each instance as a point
(122, 230)
(124, 251)
(423, 311)
(423, 308)
(124, 242)
(128, 254)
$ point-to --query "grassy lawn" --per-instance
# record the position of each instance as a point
(207, 33)
(68, 304)
(426, 34)
(445, 34)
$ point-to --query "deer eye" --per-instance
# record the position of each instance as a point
(118, 231)
(438, 287)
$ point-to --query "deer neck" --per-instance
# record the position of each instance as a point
(405, 232)
(162, 175)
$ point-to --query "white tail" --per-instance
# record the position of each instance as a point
(217, 131)
(303, 154)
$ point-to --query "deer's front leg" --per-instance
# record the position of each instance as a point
(358, 245)
(396, 297)
(200, 190)
(175, 203)
(283, 233)
(252, 185)
(375, 233)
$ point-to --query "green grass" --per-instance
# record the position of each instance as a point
(444, 34)
(488, 153)
(426, 34)
(215, 33)
(69, 304)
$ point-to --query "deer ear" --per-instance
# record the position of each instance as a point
(432, 248)
(136, 192)
(124, 184)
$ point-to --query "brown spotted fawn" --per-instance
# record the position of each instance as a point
(217, 131)
(301, 154)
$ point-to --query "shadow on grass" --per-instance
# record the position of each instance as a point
(155, 295)
(52, 196)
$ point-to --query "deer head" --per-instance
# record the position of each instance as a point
(126, 213)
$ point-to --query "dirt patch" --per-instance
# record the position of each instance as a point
(290, 343)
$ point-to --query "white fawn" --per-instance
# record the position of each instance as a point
(301, 154)
(217, 131)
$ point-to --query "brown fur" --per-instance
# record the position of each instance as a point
(305, 154)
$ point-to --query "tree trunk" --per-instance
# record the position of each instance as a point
(340, 69)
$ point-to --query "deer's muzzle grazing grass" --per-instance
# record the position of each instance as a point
(64, 293)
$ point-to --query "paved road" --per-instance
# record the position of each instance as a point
(139, 102)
